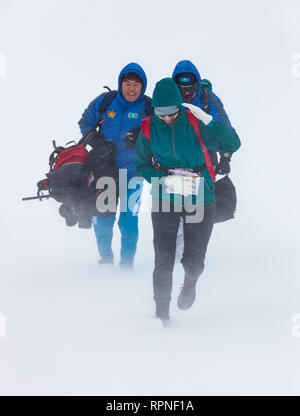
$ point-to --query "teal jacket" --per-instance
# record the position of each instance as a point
(177, 146)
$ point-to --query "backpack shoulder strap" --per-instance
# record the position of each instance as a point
(206, 83)
(206, 88)
(146, 127)
(194, 122)
(204, 98)
(106, 102)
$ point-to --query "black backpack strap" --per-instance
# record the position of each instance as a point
(204, 97)
(91, 135)
(106, 102)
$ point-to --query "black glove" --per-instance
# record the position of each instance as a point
(223, 167)
(91, 137)
(103, 148)
(131, 138)
(99, 144)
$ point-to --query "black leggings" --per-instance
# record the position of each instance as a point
(196, 238)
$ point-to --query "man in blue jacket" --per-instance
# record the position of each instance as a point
(189, 81)
(199, 92)
(120, 125)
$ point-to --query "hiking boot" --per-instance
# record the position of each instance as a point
(187, 294)
(164, 319)
(163, 316)
(109, 261)
(126, 266)
(162, 311)
(85, 222)
(68, 214)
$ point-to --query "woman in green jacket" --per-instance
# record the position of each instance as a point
(170, 156)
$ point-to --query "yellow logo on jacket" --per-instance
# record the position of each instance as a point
(111, 114)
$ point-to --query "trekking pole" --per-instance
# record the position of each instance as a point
(30, 198)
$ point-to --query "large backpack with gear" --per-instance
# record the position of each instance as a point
(74, 171)
(72, 180)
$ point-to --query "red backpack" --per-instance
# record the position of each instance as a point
(194, 122)
(64, 155)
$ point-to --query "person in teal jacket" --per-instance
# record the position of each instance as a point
(171, 152)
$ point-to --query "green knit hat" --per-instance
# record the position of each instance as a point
(166, 94)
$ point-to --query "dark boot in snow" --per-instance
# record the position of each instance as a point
(162, 311)
(85, 222)
(68, 214)
(187, 294)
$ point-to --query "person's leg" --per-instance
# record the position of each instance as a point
(196, 238)
(128, 224)
(165, 227)
(103, 228)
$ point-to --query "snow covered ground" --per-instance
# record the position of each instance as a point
(68, 326)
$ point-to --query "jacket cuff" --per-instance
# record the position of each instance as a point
(211, 123)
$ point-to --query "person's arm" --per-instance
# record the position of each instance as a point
(217, 110)
(216, 135)
(91, 116)
(143, 160)
(219, 137)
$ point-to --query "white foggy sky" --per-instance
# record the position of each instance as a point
(58, 56)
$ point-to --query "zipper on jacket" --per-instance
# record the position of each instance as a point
(174, 149)
(207, 185)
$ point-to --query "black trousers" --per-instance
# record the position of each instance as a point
(196, 238)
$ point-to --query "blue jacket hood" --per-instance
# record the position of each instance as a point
(137, 69)
(188, 66)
